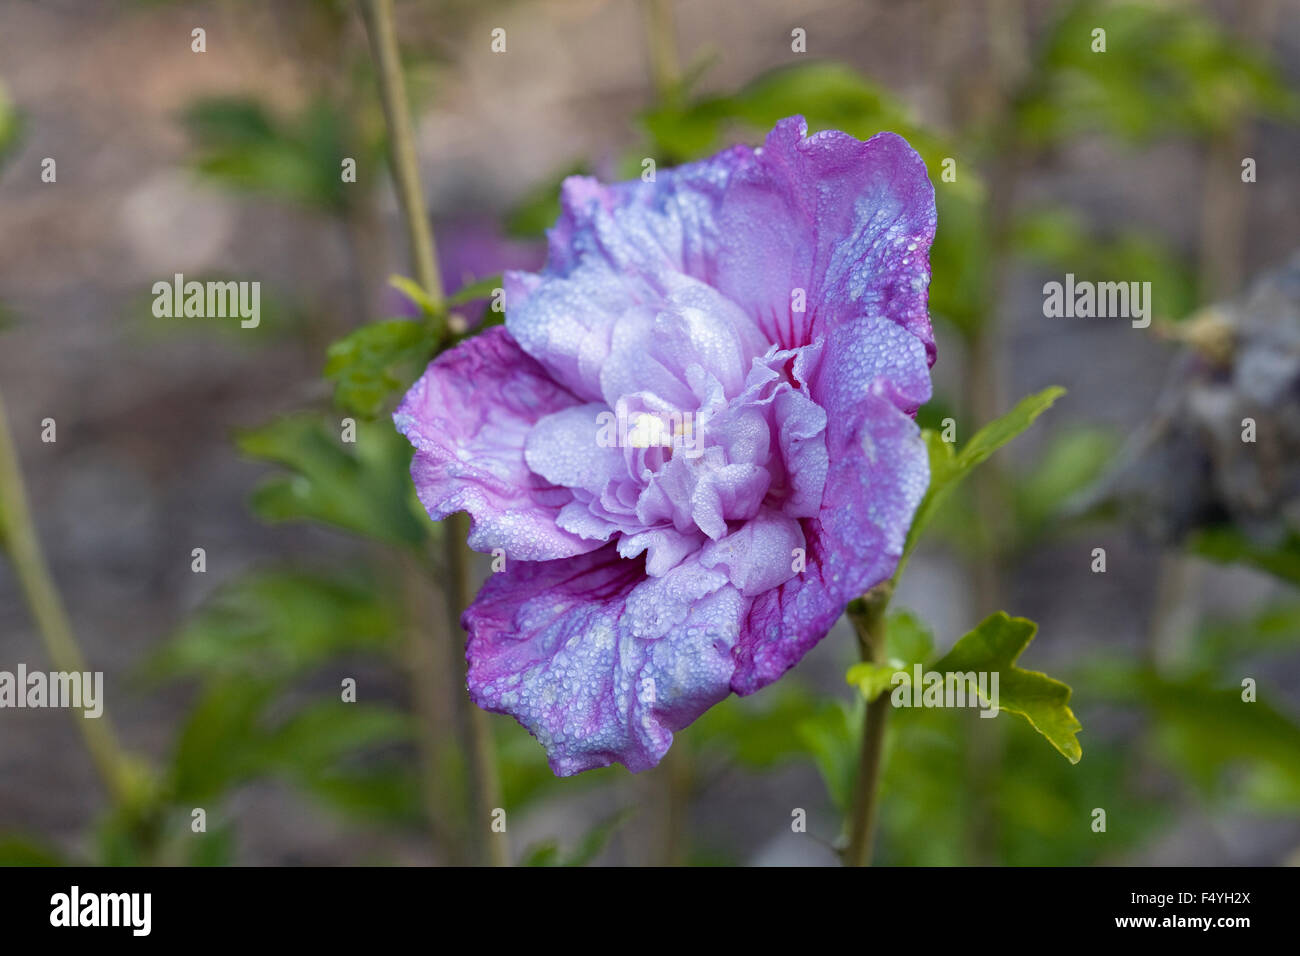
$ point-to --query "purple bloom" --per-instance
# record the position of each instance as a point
(694, 439)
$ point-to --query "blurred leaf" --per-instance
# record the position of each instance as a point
(827, 94)
(21, 851)
(548, 852)
(947, 469)
(926, 803)
(275, 624)
(830, 736)
(1071, 463)
(1060, 238)
(760, 731)
(387, 792)
(994, 646)
(1219, 641)
(10, 124)
(362, 487)
(216, 746)
(1208, 730)
(1227, 545)
(376, 360)
(1167, 69)
(239, 143)
(229, 739)
(960, 261)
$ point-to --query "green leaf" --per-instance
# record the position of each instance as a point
(994, 646)
(216, 746)
(828, 95)
(362, 487)
(10, 124)
(1209, 730)
(277, 624)
(1060, 238)
(907, 641)
(230, 738)
(241, 144)
(1167, 69)
(757, 732)
(1070, 464)
(947, 469)
(21, 851)
(377, 360)
(549, 853)
(831, 737)
(1227, 545)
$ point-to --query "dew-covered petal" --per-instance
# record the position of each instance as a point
(846, 223)
(853, 544)
(468, 417)
(760, 555)
(600, 663)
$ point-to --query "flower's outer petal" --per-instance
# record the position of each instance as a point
(849, 223)
(468, 417)
(600, 663)
(853, 544)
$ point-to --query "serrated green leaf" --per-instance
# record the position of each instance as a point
(994, 646)
(377, 360)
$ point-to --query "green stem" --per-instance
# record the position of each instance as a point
(378, 15)
(485, 787)
(867, 615)
(18, 534)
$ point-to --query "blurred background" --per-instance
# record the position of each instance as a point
(176, 434)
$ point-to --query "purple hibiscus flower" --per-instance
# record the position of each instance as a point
(694, 438)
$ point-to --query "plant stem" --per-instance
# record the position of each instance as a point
(378, 15)
(18, 534)
(485, 789)
(485, 785)
(868, 617)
